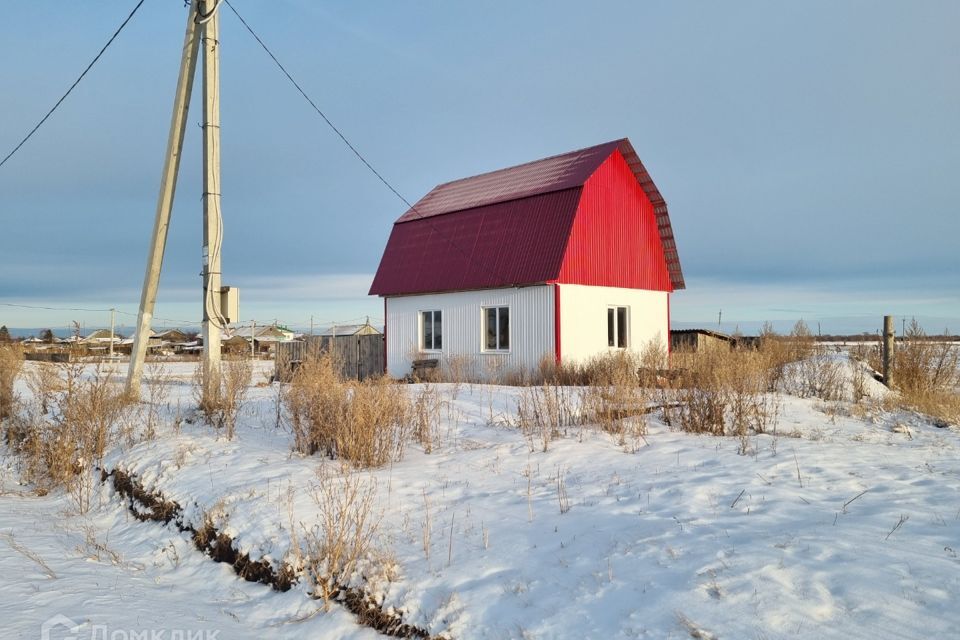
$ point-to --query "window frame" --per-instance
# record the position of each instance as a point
(613, 310)
(421, 330)
(484, 324)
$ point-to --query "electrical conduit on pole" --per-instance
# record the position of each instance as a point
(213, 320)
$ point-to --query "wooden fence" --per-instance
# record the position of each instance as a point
(360, 356)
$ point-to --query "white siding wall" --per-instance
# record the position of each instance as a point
(531, 329)
(583, 318)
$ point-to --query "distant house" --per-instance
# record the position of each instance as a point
(340, 330)
(699, 340)
(265, 338)
(563, 258)
(100, 339)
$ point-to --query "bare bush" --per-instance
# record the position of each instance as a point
(220, 402)
(426, 417)
(345, 537)
(366, 423)
(614, 400)
(817, 376)
(62, 448)
(927, 374)
(44, 382)
(11, 363)
(156, 382)
(724, 393)
(545, 412)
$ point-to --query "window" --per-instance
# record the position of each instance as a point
(431, 330)
(496, 328)
(617, 327)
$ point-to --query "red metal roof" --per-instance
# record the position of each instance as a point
(555, 173)
(513, 227)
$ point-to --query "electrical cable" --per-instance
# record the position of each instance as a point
(87, 310)
(204, 18)
(75, 83)
(351, 146)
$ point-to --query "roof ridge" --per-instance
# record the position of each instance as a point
(577, 152)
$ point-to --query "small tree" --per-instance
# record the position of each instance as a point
(47, 336)
(4, 335)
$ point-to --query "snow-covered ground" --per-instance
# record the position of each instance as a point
(683, 537)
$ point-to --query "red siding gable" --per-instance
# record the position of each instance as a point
(591, 216)
(615, 241)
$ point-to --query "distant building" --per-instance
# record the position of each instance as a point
(698, 340)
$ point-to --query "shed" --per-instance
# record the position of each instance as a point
(699, 340)
(563, 258)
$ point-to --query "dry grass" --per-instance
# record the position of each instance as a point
(222, 402)
(366, 423)
(157, 387)
(59, 446)
(345, 537)
(11, 364)
(927, 374)
(725, 392)
(545, 412)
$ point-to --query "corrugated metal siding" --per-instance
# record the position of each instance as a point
(531, 329)
(615, 240)
(509, 243)
(664, 228)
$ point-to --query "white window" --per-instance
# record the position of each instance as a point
(618, 327)
(431, 330)
(496, 328)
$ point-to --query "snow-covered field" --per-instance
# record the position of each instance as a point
(845, 525)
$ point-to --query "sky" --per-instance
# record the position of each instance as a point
(808, 151)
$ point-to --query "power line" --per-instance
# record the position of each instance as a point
(88, 310)
(75, 83)
(350, 146)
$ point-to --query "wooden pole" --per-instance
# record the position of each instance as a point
(888, 345)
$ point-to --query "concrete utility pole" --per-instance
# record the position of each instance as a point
(888, 344)
(168, 186)
(113, 315)
(213, 318)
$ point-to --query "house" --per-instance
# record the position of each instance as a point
(100, 339)
(700, 340)
(339, 330)
(265, 338)
(565, 258)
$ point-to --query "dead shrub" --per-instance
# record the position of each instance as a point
(545, 412)
(11, 364)
(927, 374)
(817, 376)
(614, 400)
(157, 387)
(44, 382)
(222, 402)
(366, 423)
(426, 417)
(62, 448)
(724, 392)
(334, 549)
